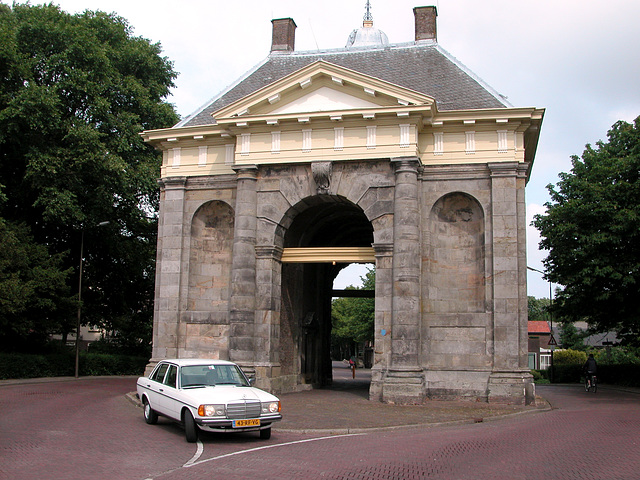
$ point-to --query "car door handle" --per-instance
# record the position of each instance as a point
(161, 390)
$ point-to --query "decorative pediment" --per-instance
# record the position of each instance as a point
(324, 89)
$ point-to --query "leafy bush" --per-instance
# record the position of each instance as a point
(625, 375)
(618, 356)
(569, 357)
(15, 365)
(566, 373)
(540, 376)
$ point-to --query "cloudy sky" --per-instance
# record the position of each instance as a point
(578, 59)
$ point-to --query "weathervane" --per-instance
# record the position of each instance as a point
(367, 16)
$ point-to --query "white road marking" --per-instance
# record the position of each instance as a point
(192, 463)
(199, 450)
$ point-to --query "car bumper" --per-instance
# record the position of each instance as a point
(225, 424)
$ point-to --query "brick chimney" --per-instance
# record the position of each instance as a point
(284, 35)
(426, 23)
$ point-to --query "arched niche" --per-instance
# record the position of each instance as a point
(457, 255)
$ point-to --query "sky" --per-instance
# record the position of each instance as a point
(578, 59)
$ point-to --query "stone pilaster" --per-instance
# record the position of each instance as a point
(404, 382)
(169, 265)
(383, 321)
(510, 381)
(242, 301)
(267, 322)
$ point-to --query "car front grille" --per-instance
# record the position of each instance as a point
(243, 409)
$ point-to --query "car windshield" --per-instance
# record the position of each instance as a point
(212, 375)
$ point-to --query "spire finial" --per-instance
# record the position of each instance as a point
(367, 16)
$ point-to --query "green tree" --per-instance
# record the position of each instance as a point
(591, 229)
(571, 338)
(33, 288)
(538, 308)
(353, 319)
(76, 92)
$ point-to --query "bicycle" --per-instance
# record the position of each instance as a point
(590, 383)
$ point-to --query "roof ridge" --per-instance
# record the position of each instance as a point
(390, 46)
(497, 95)
(220, 94)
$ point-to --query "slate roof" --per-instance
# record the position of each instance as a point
(424, 67)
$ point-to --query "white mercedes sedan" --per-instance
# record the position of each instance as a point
(207, 395)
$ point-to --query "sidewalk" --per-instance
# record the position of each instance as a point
(345, 408)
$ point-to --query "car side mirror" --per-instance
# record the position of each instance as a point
(252, 381)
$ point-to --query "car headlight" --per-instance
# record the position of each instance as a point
(271, 407)
(211, 411)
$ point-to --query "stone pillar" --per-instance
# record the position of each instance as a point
(404, 382)
(267, 322)
(242, 300)
(510, 380)
(383, 321)
(169, 265)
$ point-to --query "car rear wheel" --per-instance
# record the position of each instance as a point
(190, 428)
(265, 434)
(150, 416)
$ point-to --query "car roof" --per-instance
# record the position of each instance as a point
(185, 362)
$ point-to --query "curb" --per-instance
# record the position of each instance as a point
(133, 398)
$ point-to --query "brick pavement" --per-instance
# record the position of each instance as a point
(87, 429)
(584, 437)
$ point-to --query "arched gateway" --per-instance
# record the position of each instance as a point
(389, 154)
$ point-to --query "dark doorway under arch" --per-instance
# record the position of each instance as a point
(305, 321)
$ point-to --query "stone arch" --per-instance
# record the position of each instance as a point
(305, 319)
(457, 255)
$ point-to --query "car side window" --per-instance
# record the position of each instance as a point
(171, 377)
(158, 375)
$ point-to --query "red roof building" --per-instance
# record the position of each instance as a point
(539, 350)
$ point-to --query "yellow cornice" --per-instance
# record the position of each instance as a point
(401, 112)
(499, 115)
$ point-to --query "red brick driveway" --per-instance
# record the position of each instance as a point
(87, 429)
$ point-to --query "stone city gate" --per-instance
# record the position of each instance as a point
(281, 234)
(315, 160)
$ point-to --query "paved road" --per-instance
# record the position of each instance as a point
(87, 429)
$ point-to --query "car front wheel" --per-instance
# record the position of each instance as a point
(150, 416)
(190, 428)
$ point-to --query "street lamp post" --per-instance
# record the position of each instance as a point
(79, 317)
(550, 317)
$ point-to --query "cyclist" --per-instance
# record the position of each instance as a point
(590, 368)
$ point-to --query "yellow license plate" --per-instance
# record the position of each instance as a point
(253, 422)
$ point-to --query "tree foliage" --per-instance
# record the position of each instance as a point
(538, 308)
(75, 93)
(353, 319)
(592, 232)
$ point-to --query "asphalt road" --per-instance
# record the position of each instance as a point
(88, 429)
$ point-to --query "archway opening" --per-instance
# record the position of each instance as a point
(307, 286)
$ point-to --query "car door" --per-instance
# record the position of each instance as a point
(169, 393)
(154, 387)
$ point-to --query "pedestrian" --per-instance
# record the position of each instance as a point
(352, 364)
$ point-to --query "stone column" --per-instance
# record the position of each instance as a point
(383, 320)
(405, 379)
(510, 380)
(169, 265)
(242, 300)
(267, 323)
